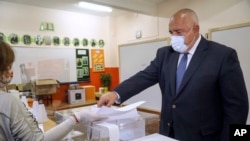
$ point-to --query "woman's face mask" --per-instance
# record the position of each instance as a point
(6, 78)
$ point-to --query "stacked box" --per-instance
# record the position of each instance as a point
(44, 86)
(76, 96)
(89, 92)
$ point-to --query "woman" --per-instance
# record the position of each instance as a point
(16, 122)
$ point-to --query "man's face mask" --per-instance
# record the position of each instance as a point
(6, 78)
(178, 43)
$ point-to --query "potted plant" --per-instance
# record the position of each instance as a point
(105, 81)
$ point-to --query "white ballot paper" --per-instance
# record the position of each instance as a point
(114, 113)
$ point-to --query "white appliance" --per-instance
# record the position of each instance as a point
(76, 96)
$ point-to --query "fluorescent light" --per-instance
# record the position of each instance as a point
(95, 7)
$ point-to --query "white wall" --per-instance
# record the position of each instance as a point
(212, 13)
(22, 19)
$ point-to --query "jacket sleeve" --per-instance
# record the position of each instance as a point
(25, 126)
(60, 131)
(233, 92)
(22, 123)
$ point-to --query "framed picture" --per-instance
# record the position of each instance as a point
(101, 43)
(39, 40)
(79, 73)
(93, 43)
(13, 38)
(47, 40)
(56, 40)
(85, 42)
(85, 71)
(66, 41)
(85, 60)
(26, 39)
(79, 62)
(1, 36)
(76, 42)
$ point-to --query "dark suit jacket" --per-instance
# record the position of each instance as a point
(212, 94)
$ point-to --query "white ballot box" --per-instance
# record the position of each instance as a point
(121, 124)
(118, 130)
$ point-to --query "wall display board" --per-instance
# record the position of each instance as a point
(40, 40)
(82, 64)
(97, 58)
(237, 37)
(44, 62)
(135, 57)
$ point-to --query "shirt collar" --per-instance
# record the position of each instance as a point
(192, 50)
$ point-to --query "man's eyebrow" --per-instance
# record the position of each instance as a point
(177, 30)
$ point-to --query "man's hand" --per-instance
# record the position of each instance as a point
(107, 99)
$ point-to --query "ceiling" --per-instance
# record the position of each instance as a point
(148, 7)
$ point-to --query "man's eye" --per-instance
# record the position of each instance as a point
(179, 33)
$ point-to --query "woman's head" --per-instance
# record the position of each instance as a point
(7, 57)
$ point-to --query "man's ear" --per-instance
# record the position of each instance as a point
(196, 28)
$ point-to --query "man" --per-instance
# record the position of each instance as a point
(211, 95)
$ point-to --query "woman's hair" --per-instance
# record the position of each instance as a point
(7, 57)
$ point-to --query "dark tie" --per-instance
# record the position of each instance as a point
(181, 70)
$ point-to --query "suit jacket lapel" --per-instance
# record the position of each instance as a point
(173, 60)
(194, 63)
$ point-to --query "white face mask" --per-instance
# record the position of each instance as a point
(178, 43)
(6, 78)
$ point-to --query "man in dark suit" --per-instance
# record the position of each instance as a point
(212, 93)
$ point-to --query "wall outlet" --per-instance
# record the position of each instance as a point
(138, 34)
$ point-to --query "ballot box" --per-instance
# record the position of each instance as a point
(112, 129)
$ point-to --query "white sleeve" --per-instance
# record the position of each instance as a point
(60, 131)
(118, 100)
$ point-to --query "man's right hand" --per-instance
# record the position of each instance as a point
(107, 99)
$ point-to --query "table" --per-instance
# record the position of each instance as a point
(151, 119)
(48, 125)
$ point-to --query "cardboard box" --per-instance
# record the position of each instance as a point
(24, 87)
(44, 86)
(76, 96)
(11, 87)
(89, 92)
